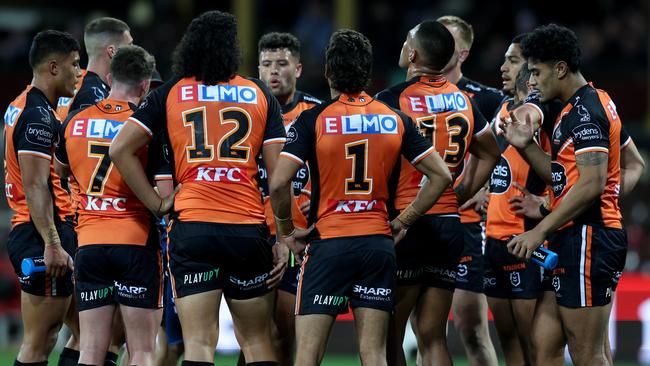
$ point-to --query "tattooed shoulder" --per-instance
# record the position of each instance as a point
(591, 158)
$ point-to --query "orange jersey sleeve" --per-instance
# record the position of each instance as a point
(104, 199)
(352, 145)
(215, 134)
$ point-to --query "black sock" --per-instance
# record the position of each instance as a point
(18, 363)
(263, 363)
(111, 359)
(68, 357)
(196, 363)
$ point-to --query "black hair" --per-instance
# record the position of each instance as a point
(276, 41)
(553, 43)
(209, 50)
(436, 43)
(49, 42)
(348, 61)
(131, 65)
(518, 38)
(522, 78)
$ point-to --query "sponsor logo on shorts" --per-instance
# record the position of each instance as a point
(408, 274)
(200, 277)
(489, 281)
(515, 279)
(330, 300)
(98, 294)
(556, 283)
(441, 273)
(462, 270)
(132, 292)
(373, 293)
(249, 284)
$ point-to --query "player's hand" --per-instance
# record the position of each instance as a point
(518, 133)
(57, 260)
(398, 229)
(280, 260)
(167, 203)
(304, 208)
(522, 246)
(479, 201)
(300, 243)
(527, 204)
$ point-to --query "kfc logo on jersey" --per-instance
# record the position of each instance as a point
(350, 206)
(11, 115)
(217, 93)
(219, 174)
(96, 128)
(92, 203)
(358, 124)
(501, 177)
(558, 177)
(586, 132)
(448, 102)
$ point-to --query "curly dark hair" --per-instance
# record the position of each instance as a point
(49, 42)
(131, 65)
(436, 43)
(209, 50)
(553, 43)
(348, 61)
(276, 41)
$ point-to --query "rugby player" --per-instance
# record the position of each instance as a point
(427, 258)
(217, 122)
(352, 145)
(583, 169)
(42, 220)
(123, 268)
(279, 68)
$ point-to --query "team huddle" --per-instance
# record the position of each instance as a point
(152, 200)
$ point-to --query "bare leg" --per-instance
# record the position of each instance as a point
(312, 332)
(432, 311)
(470, 318)
(372, 326)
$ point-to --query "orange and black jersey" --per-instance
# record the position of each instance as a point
(448, 118)
(104, 198)
(487, 99)
(352, 144)
(90, 89)
(31, 128)
(502, 222)
(588, 123)
(215, 132)
(301, 185)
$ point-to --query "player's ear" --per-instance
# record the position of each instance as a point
(53, 67)
(110, 51)
(109, 79)
(298, 70)
(144, 87)
(561, 69)
(412, 55)
(463, 55)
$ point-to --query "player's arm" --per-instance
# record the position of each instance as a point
(632, 166)
(419, 152)
(123, 153)
(485, 156)
(519, 131)
(35, 175)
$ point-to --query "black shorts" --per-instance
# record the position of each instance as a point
(471, 263)
(358, 270)
(590, 262)
(235, 258)
(430, 251)
(25, 242)
(508, 277)
(108, 274)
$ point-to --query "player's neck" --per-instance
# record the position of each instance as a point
(455, 74)
(124, 94)
(419, 70)
(573, 82)
(47, 87)
(286, 99)
(99, 66)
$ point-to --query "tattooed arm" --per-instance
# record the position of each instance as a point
(592, 167)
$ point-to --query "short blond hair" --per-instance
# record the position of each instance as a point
(465, 29)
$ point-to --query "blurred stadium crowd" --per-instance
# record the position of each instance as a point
(614, 36)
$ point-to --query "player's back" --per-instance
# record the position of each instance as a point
(31, 125)
(447, 117)
(105, 200)
(215, 132)
(356, 142)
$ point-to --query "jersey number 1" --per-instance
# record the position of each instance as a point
(359, 183)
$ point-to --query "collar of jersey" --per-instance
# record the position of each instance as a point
(433, 80)
(113, 102)
(355, 99)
